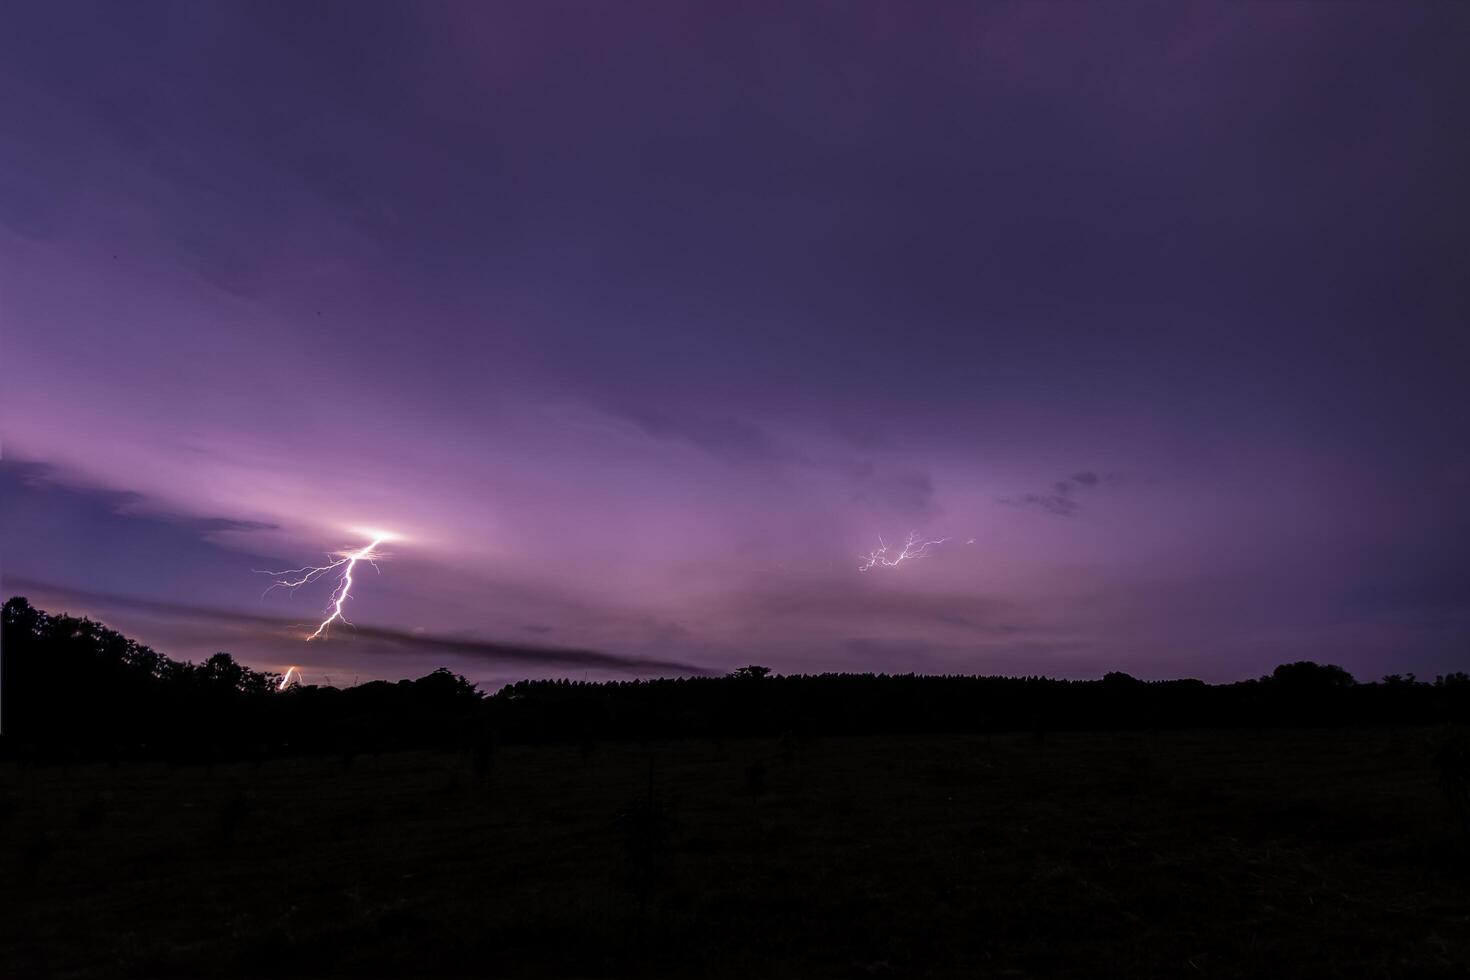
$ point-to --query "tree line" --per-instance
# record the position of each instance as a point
(73, 688)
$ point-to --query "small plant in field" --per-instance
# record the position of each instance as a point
(233, 813)
(483, 753)
(647, 825)
(787, 746)
(1451, 756)
(755, 780)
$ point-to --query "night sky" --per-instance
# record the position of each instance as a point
(641, 325)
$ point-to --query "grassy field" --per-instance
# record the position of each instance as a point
(1204, 854)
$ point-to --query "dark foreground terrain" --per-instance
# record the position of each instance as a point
(1309, 853)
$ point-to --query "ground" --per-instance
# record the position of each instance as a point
(1328, 853)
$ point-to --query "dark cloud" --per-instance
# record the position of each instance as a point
(57, 527)
(1061, 499)
(47, 508)
(21, 475)
(845, 600)
(741, 441)
(1053, 503)
(731, 439)
(363, 640)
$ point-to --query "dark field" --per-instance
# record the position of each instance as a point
(1320, 853)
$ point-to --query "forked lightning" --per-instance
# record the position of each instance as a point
(912, 548)
(343, 563)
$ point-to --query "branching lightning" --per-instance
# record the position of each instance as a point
(343, 563)
(912, 548)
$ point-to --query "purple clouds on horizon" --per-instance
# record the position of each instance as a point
(641, 326)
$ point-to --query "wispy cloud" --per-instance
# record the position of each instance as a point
(741, 441)
(362, 639)
(1061, 499)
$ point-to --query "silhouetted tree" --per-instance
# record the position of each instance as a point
(73, 688)
(1304, 675)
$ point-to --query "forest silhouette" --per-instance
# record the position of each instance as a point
(74, 689)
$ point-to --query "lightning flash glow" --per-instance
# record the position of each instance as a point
(912, 548)
(286, 677)
(343, 563)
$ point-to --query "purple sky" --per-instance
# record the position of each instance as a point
(642, 324)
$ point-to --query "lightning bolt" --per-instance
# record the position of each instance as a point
(913, 548)
(286, 677)
(343, 563)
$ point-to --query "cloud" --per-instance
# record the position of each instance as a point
(361, 640)
(911, 492)
(1061, 499)
(1053, 503)
(725, 437)
(839, 600)
(43, 476)
(738, 440)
